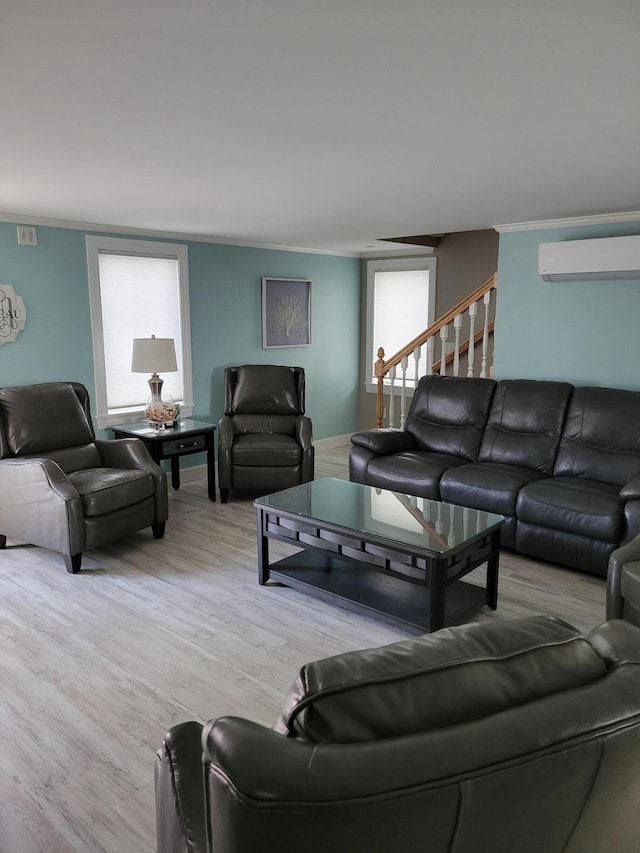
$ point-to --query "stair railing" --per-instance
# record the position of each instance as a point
(472, 336)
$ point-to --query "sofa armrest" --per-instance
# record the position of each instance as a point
(631, 490)
(179, 791)
(39, 504)
(384, 441)
(130, 453)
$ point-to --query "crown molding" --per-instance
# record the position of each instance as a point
(596, 219)
(101, 228)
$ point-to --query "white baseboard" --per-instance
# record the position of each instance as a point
(333, 441)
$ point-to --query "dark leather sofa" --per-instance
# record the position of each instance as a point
(560, 463)
(497, 736)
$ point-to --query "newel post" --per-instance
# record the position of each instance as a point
(378, 369)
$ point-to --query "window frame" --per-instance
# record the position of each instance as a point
(421, 262)
(139, 248)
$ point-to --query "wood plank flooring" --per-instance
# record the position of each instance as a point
(95, 667)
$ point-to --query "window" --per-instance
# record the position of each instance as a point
(137, 288)
(400, 305)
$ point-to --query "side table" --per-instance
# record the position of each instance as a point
(182, 440)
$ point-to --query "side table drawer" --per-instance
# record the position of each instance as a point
(179, 445)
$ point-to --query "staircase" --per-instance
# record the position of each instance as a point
(469, 353)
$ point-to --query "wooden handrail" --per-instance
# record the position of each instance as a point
(382, 366)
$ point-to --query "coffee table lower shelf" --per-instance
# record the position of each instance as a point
(348, 583)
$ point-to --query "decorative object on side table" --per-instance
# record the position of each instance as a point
(151, 355)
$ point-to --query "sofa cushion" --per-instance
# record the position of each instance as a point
(105, 490)
(443, 679)
(448, 414)
(573, 505)
(266, 449)
(525, 423)
(490, 486)
(415, 472)
(600, 436)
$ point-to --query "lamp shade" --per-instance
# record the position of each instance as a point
(153, 355)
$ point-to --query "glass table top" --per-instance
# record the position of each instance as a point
(143, 428)
(416, 522)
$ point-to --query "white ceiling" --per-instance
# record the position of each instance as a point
(322, 124)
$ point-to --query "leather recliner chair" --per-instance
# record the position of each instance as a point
(493, 736)
(623, 583)
(265, 441)
(63, 489)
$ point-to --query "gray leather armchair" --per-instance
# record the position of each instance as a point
(63, 489)
(498, 736)
(265, 441)
(623, 583)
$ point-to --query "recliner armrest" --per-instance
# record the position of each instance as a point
(179, 790)
(631, 490)
(621, 557)
(39, 504)
(304, 432)
(384, 441)
(130, 453)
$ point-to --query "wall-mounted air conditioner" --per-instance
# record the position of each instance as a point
(586, 260)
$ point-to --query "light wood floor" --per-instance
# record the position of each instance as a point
(95, 667)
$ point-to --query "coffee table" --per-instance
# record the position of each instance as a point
(391, 553)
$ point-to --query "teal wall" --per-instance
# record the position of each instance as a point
(226, 324)
(582, 332)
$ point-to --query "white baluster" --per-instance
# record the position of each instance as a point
(457, 325)
(403, 391)
(416, 360)
(392, 396)
(451, 536)
(444, 335)
(485, 334)
(430, 348)
(473, 313)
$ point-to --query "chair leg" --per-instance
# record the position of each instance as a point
(158, 529)
(72, 562)
(3, 541)
(224, 495)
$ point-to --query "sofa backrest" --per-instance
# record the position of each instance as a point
(443, 679)
(551, 766)
(601, 436)
(49, 420)
(525, 423)
(448, 414)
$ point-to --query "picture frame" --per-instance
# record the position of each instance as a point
(286, 312)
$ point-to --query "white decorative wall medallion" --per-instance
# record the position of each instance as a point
(13, 314)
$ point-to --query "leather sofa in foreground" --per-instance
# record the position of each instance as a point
(496, 736)
(560, 463)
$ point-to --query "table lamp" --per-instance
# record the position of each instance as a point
(152, 355)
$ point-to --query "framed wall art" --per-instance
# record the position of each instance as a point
(286, 312)
(13, 314)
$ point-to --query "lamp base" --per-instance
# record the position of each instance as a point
(160, 411)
